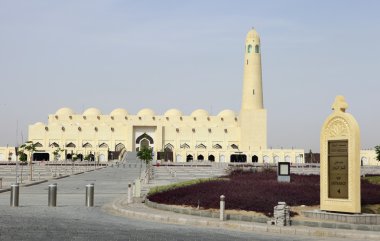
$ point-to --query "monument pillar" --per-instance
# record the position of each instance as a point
(340, 161)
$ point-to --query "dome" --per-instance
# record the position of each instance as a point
(173, 112)
(119, 111)
(227, 113)
(252, 34)
(39, 124)
(146, 112)
(199, 113)
(92, 111)
(65, 111)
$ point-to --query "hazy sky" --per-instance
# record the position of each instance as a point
(189, 55)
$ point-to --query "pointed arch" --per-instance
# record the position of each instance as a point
(103, 145)
(54, 144)
(168, 147)
(234, 146)
(185, 146)
(217, 146)
(87, 145)
(201, 146)
(119, 147)
(38, 144)
(200, 157)
(72, 145)
(144, 136)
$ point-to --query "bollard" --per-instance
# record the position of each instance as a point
(15, 188)
(133, 189)
(129, 199)
(52, 195)
(222, 207)
(90, 195)
(135, 165)
(129, 165)
(1, 183)
(137, 187)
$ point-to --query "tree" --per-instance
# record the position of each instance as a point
(23, 159)
(30, 147)
(145, 154)
(56, 153)
(377, 149)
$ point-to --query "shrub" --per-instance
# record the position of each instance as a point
(250, 191)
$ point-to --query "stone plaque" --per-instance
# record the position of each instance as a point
(340, 161)
(338, 169)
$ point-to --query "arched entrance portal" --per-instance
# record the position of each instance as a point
(144, 143)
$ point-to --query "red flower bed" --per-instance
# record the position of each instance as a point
(258, 192)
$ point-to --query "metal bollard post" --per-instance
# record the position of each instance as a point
(52, 195)
(129, 199)
(1, 183)
(15, 188)
(133, 189)
(90, 195)
(222, 207)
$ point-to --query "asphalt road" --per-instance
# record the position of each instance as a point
(71, 220)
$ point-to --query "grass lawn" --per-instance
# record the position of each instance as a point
(257, 192)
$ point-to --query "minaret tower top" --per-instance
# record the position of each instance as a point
(252, 83)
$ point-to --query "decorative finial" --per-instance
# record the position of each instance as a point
(340, 104)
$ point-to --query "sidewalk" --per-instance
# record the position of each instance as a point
(141, 211)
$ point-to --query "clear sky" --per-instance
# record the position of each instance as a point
(189, 55)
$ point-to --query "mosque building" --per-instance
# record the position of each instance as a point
(226, 137)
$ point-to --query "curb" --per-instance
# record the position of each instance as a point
(118, 205)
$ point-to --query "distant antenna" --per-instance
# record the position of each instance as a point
(17, 133)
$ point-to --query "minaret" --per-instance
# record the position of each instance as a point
(253, 117)
(252, 83)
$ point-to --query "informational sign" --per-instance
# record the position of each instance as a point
(338, 169)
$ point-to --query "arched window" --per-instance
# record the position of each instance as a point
(200, 158)
(257, 49)
(249, 48)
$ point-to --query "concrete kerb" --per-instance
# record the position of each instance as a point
(175, 218)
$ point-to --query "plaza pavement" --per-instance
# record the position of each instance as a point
(71, 220)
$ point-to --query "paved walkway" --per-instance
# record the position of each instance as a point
(141, 211)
